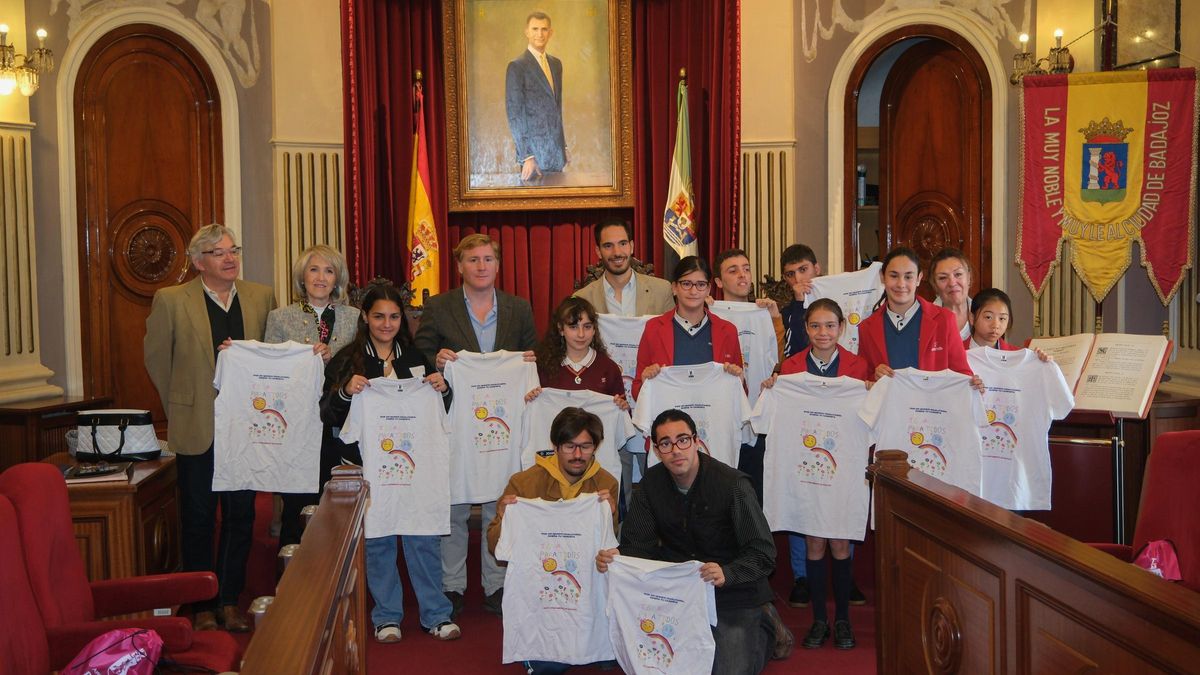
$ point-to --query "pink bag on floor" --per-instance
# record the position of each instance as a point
(125, 651)
(1159, 557)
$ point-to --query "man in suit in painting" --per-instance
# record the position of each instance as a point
(187, 326)
(476, 317)
(533, 99)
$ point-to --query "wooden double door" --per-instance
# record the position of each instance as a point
(149, 174)
(934, 149)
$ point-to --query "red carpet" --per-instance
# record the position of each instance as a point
(479, 649)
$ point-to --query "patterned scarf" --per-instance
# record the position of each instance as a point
(324, 321)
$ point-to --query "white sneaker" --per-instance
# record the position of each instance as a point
(447, 630)
(388, 632)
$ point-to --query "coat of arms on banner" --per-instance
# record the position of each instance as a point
(1105, 160)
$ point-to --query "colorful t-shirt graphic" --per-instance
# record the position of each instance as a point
(402, 433)
(817, 450)
(1023, 396)
(933, 416)
(659, 616)
(485, 420)
(553, 596)
(714, 399)
(267, 419)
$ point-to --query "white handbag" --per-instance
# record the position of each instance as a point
(116, 434)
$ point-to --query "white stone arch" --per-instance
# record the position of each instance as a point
(72, 60)
(983, 40)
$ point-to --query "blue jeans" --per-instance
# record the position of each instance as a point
(798, 549)
(423, 557)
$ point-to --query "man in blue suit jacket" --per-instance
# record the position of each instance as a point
(534, 103)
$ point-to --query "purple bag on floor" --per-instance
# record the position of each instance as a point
(125, 651)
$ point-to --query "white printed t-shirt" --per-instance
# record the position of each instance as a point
(485, 422)
(817, 450)
(714, 399)
(756, 334)
(554, 598)
(540, 413)
(855, 292)
(403, 435)
(622, 335)
(267, 417)
(660, 616)
(1023, 395)
(933, 416)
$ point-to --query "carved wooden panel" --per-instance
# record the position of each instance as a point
(92, 537)
(948, 607)
(968, 587)
(148, 165)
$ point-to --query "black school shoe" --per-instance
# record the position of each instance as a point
(856, 596)
(817, 635)
(843, 635)
(799, 596)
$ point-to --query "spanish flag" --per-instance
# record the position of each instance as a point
(424, 271)
(1109, 159)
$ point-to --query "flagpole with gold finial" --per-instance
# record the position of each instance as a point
(424, 256)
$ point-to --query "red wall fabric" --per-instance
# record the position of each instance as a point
(542, 252)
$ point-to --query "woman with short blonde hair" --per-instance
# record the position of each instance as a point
(321, 318)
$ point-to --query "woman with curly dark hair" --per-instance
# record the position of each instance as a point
(572, 355)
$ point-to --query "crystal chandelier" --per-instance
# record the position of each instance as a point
(23, 77)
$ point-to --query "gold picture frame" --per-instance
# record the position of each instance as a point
(590, 56)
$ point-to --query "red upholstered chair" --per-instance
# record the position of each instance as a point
(23, 649)
(71, 607)
(1170, 504)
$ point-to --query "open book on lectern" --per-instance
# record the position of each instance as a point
(1110, 372)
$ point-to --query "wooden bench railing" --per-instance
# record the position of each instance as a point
(317, 623)
(967, 587)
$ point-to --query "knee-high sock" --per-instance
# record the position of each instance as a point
(818, 581)
(841, 588)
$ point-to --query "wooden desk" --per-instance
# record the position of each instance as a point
(964, 586)
(31, 431)
(127, 529)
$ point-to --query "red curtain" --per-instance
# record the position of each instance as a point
(701, 36)
(542, 252)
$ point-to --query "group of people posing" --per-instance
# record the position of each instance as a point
(687, 505)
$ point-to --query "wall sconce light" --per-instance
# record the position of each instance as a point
(24, 77)
(1057, 62)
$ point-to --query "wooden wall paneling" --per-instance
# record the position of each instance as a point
(965, 586)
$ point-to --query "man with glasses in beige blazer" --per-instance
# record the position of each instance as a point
(188, 325)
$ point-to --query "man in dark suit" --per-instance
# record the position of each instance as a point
(533, 98)
(476, 317)
(187, 326)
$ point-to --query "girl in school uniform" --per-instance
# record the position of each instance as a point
(910, 331)
(688, 335)
(824, 357)
(824, 324)
(572, 356)
(991, 311)
(991, 315)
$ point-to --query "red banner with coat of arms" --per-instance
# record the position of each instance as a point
(1108, 159)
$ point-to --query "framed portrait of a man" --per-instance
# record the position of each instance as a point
(538, 103)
